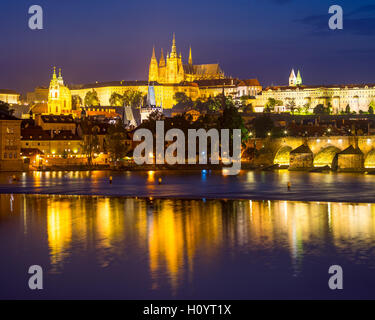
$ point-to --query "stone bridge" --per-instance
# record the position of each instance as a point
(325, 150)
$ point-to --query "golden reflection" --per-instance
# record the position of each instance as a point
(175, 238)
(150, 176)
(59, 222)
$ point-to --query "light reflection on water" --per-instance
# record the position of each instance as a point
(256, 185)
(178, 246)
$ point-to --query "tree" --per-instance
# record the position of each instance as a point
(76, 102)
(262, 125)
(132, 98)
(231, 119)
(116, 100)
(5, 108)
(291, 105)
(347, 109)
(321, 109)
(248, 108)
(306, 107)
(371, 107)
(183, 101)
(116, 137)
(271, 104)
(220, 102)
(90, 143)
(91, 99)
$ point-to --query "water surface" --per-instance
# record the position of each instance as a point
(252, 185)
(116, 247)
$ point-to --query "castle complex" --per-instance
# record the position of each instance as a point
(169, 75)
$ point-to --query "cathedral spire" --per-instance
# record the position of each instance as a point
(174, 50)
(153, 53)
(54, 73)
(162, 60)
(190, 57)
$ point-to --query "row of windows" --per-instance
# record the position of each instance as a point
(10, 155)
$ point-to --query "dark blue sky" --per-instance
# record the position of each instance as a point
(103, 40)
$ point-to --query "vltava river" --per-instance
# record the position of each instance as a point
(116, 247)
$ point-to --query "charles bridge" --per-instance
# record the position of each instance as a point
(345, 153)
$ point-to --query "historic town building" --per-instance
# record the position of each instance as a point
(357, 97)
(9, 96)
(10, 143)
(59, 96)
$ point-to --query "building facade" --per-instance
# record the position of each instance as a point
(10, 143)
(9, 96)
(357, 97)
(59, 96)
(170, 75)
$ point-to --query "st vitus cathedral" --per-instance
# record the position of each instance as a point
(172, 70)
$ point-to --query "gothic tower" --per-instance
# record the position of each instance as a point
(154, 69)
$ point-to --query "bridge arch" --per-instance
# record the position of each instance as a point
(370, 159)
(327, 156)
(282, 156)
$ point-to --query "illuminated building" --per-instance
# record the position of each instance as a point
(39, 95)
(172, 70)
(170, 75)
(9, 96)
(150, 106)
(59, 96)
(10, 143)
(357, 96)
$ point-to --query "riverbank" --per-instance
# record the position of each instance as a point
(188, 167)
(198, 184)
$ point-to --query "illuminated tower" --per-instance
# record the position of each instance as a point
(59, 96)
(153, 70)
(190, 57)
(174, 70)
(292, 79)
(299, 79)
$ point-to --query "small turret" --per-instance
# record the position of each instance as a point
(60, 78)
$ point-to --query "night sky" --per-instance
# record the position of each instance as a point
(112, 39)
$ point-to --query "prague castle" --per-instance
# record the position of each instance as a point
(169, 75)
(172, 70)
